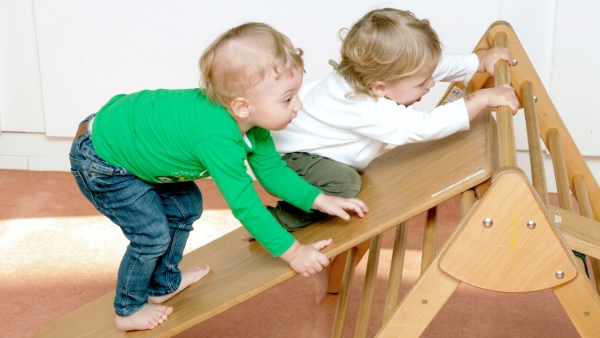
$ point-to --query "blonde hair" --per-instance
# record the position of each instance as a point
(241, 57)
(386, 45)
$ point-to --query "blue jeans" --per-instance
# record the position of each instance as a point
(155, 218)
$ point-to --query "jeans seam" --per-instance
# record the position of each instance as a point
(184, 215)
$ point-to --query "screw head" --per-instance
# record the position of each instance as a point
(531, 224)
(488, 222)
(559, 274)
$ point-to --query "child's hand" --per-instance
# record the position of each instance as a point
(491, 98)
(336, 206)
(502, 96)
(488, 59)
(307, 259)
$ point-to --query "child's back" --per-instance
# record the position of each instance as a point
(389, 60)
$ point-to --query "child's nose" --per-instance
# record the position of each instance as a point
(298, 105)
(430, 83)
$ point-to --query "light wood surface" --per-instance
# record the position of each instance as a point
(344, 298)
(536, 160)
(364, 311)
(585, 209)
(429, 239)
(547, 114)
(511, 254)
(510, 240)
(397, 186)
(504, 114)
(581, 233)
(392, 296)
(581, 303)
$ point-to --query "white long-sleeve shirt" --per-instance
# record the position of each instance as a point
(354, 130)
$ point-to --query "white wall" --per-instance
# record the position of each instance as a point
(60, 60)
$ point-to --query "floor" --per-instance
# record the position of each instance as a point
(58, 253)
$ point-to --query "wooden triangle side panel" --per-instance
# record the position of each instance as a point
(509, 243)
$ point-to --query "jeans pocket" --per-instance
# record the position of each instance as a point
(85, 190)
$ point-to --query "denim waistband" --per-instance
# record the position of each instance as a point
(85, 127)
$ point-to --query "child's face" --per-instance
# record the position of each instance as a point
(411, 88)
(274, 102)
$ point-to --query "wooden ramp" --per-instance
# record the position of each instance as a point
(398, 185)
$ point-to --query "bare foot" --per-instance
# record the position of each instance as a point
(188, 277)
(246, 236)
(149, 317)
(321, 280)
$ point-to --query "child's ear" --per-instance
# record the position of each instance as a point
(240, 107)
(378, 89)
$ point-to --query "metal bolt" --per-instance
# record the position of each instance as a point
(514, 62)
(424, 301)
(534, 98)
(559, 274)
(488, 222)
(586, 313)
(531, 224)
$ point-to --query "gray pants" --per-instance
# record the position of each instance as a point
(333, 178)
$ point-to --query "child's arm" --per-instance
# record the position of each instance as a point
(455, 67)
(306, 259)
(492, 97)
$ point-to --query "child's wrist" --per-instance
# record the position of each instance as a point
(288, 255)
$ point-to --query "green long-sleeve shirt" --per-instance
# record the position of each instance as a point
(164, 136)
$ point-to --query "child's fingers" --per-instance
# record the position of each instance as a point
(323, 260)
(358, 206)
(503, 53)
(322, 243)
(341, 213)
(360, 203)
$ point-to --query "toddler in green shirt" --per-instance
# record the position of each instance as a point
(136, 160)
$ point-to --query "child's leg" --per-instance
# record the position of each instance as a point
(182, 203)
(332, 177)
(137, 208)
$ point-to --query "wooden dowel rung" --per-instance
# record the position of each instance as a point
(581, 194)
(467, 199)
(395, 278)
(506, 132)
(561, 175)
(536, 159)
(344, 296)
(429, 239)
(506, 137)
(364, 311)
(502, 74)
(560, 170)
